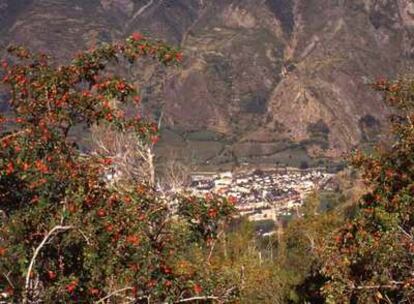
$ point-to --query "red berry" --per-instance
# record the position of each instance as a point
(232, 200)
(212, 213)
(72, 286)
(179, 57)
(9, 168)
(101, 213)
(107, 161)
(94, 291)
(197, 289)
(109, 228)
(155, 139)
(137, 36)
(168, 283)
(51, 274)
(133, 239)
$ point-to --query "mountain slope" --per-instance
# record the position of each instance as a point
(264, 81)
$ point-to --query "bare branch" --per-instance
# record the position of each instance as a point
(391, 285)
(8, 279)
(85, 237)
(33, 260)
(133, 158)
(174, 174)
(114, 293)
(141, 10)
(213, 246)
(311, 241)
(160, 120)
(198, 298)
(408, 235)
(13, 135)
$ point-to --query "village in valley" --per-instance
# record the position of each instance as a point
(264, 195)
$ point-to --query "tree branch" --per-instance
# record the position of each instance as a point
(8, 279)
(408, 235)
(13, 135)
(213, 246)
(392, 285)
(85, 237)
(197, 298)
(36, 253)
(116, 292)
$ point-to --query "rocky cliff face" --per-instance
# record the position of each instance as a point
(264, 81)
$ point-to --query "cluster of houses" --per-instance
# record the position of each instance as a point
(263, 195)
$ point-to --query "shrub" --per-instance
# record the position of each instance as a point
(370, 259)
(67, 235)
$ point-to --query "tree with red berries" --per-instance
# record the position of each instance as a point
(67, 235)
(371, 258)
